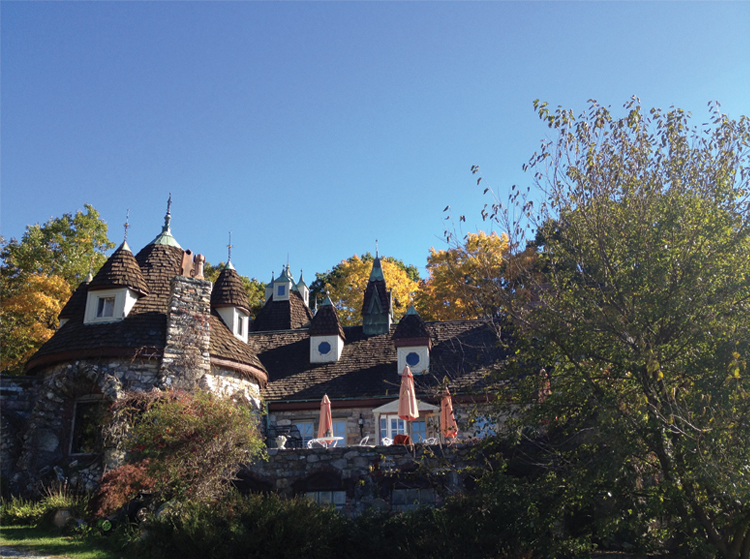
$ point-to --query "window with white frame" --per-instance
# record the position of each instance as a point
(105, 307)
(89, 415)
(392, 425)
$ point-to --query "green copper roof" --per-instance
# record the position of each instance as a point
(165, 237)
(326, 301)
(377, 270)
(411, 310)
(229, 266)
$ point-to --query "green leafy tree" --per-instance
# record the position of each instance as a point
(255, 289)
(37, 276)
(642, 409)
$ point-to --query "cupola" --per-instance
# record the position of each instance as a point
(165, 237)
(326, 334)
(229, 299)
(413, 343)
(377, 312)
(283, 285)
(115, 288)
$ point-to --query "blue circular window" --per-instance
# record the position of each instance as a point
(324, 348)
(412, 359)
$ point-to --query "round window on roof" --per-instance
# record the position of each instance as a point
(412, 359)
(324, 348)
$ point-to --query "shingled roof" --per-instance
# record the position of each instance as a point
(120, 270)
(463, 351)
(283, 315)
(411, 326)
(326, 321)
(143, 331)
(77, 302)
(228, 290)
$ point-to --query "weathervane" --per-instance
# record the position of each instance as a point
(229, 249)
(168, 217)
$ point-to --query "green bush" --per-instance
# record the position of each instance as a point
(18, 511)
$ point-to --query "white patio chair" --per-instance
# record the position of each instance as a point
(314, 443)
(430, 440)
(386, 441)
(363, 442)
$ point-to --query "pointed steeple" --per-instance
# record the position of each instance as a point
(376, 307)
(165, 237)
(303, 290)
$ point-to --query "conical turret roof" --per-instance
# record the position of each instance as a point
(228, 290)
(410, 326)
(120, 270)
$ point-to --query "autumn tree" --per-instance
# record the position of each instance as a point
(640, 324)
(255, 289)
(37, 276)
(346, 283)
(461, 279)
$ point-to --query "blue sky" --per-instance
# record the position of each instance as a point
(312, 129)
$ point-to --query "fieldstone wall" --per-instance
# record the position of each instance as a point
(231, 384)
(16, 403)
(374, 476)
(186, 355)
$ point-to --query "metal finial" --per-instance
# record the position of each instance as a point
(127, 224)
(229, 249)
(168, 217)
(376, 248)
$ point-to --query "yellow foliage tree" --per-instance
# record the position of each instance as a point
(29, 317)
(458, 286)
(346, 286)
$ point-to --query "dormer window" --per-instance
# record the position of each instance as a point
(281, 290)
(109, 305)
(105, 307)
(236, 320)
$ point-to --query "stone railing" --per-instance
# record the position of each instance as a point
(359, 477)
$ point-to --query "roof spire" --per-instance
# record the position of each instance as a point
(165, 237)
(168, 217)
(376, 248)
(127, 224)
(229, 249)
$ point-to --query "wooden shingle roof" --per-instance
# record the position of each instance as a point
(326, 321)
(120, 270)
(463, 351)
(283, 315)
(228, 291)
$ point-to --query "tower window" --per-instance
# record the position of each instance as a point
(105, 307)
(88, 419)
(324, 348)
(412, 359)
(282, 290)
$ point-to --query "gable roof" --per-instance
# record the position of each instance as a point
(463, 351)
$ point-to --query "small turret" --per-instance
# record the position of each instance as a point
(377, 313)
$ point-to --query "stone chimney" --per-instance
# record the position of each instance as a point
(186, 358)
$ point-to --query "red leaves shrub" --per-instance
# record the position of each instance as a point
(190, 444)
(120, 486)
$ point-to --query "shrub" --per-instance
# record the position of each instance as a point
(180, 445)
(120, 486)
(27, 512)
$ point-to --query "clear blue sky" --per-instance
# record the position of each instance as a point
(312, 129)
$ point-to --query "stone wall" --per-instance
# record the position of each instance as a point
(16, 404)
(186, 354)
(361, 477)
(231, 384)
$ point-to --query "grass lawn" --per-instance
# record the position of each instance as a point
(46, 542)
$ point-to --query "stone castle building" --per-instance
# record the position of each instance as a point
(151, 321)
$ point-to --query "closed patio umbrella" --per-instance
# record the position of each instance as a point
(407, 397)
(447, 420)
(326, 423)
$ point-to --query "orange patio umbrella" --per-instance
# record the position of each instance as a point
(325, 425)
(407, 397)
(447, 420)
